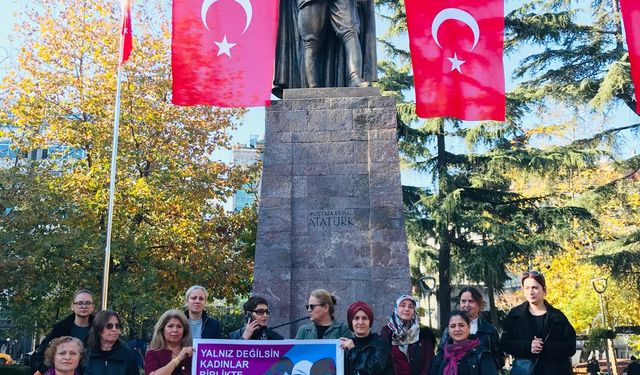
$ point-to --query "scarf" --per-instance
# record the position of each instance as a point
(454, 352)
(403, 333)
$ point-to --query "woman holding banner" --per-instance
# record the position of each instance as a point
(170, 350)
(321, 307)
(366, 353)
(412, 346)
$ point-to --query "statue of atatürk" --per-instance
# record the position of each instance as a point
(325, 43)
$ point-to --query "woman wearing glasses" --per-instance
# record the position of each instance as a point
(256, 312)
(170, 349)
(106, 354)
(412, 346)
(537, 334)
(321, 307)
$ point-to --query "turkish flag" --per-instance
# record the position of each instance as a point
(456, 50)
(126, 42)
(631, 18)
(223, 52)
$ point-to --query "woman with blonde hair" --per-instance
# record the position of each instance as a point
(63, 355)
(170, 349)
(321, 307)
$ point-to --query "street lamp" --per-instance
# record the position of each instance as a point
(599, 284)
(428, 286)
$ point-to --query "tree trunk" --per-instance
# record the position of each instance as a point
(492, 303)
(444, 255)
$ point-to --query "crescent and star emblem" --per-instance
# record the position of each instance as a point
(459, 15)
(224, 47)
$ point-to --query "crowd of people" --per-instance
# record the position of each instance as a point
(537, 336)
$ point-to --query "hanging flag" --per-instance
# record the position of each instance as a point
(126, 42)
(223, 52)
(456, 51)
(630, 10)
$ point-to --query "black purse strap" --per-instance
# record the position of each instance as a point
(538, 355)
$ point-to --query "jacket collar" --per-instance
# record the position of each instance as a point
(524, 307)
(204, 318)
(484, 326)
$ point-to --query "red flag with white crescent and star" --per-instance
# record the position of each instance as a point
(630, 10)
(126, 37)
(456, 52)
(223, 52)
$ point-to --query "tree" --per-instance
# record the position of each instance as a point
(478, 222)
(170, 226)
(583, 61)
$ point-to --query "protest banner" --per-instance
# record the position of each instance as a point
(253, 357)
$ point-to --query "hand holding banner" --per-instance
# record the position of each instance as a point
(277, 357)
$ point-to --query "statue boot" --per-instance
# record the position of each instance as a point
(354, 63)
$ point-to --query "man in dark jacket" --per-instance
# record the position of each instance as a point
(77, 325)
(256, 312)
(202, 326)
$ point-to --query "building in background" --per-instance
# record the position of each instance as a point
(247, 155)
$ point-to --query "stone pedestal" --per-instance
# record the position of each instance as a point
(331, 213)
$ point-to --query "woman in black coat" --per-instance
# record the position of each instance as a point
(106, 355)
(366, 353)
(463, 353)
(537, 332)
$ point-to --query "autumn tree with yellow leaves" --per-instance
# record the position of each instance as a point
(170, 226)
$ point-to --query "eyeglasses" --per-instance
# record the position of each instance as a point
(261, 312)
(117, 326)
(531, 274)
(312, 306)
(83, 303)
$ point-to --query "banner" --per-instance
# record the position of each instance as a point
(456, 52)
(630, 10)
(223, 52)
(269, 357)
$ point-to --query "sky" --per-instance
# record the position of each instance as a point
(253, 122)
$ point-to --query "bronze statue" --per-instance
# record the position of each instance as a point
(325, 43)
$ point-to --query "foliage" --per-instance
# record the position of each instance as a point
(170, 226)
(472, 222)
(598, 339)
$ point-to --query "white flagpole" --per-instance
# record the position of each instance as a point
(112, 188)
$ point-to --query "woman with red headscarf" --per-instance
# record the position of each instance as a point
(366, 353)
